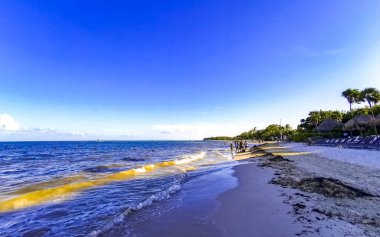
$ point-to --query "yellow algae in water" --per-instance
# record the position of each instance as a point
(190, 168)
(48, 184)
(40, 196)
(121, 175)
(50, 194)
(149, 167)
(166, 163)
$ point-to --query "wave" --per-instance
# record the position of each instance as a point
(61, 192)
(102, 168)
(190, 158)
(162, 195)
(133, 158)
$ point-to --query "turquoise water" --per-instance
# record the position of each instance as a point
(83, 188)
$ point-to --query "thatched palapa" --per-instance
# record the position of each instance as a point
(328, 125)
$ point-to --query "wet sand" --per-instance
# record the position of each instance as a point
(251, 208)
(254, 208)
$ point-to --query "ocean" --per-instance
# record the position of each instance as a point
(85, 188)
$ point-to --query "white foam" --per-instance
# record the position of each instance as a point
(224, 155)
(164, 194)
(190, 158)
(158, 197)
(140, 170)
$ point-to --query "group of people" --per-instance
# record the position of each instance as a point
(239, 146)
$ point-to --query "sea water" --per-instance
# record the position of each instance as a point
(84, 188)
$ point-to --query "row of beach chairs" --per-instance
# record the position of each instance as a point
(370, 142)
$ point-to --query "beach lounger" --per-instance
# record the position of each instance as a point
(362, 143)
(328, 142)
(335, 142)
(341, 142)
(350, 140)
(374, 143)
(354, 143)
(378, 145)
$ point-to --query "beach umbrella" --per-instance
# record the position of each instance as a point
(328, 125)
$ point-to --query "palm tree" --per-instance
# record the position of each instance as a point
(372, 96)
(288, 127)
(352, 96)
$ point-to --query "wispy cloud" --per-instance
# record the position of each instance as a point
(303, 50)
(11, 128)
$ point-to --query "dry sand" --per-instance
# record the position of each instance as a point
(346, 194)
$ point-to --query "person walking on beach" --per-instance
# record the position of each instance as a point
(245, 145)
(232, 147)
(236, 146)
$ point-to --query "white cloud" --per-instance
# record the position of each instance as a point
(8, 123)
(11, 130)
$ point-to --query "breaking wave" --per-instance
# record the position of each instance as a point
(60, 192)
(162, 195)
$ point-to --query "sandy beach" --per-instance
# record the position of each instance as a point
(247, 206)
(276, 190)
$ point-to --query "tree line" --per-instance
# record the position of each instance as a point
(308, 125)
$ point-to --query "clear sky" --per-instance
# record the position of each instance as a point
(74, 70)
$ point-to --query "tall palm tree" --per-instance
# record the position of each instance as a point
(372, 96)
(352, 96)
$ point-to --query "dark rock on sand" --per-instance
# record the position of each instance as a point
(279, 159)
(330, 188)
(299, 205)
(268, 155)
(325, 186)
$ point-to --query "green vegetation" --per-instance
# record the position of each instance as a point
(372, 96)
(325, 123)
(352, 96)
(220, 138)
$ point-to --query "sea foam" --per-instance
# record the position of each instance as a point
(164, 194)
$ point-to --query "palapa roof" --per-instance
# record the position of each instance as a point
(328, 125)
(364, 120)
(359, 122)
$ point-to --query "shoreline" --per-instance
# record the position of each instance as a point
(254, 208)
(249, 207)
(263, 202)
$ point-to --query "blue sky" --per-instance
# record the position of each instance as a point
(73, 70)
